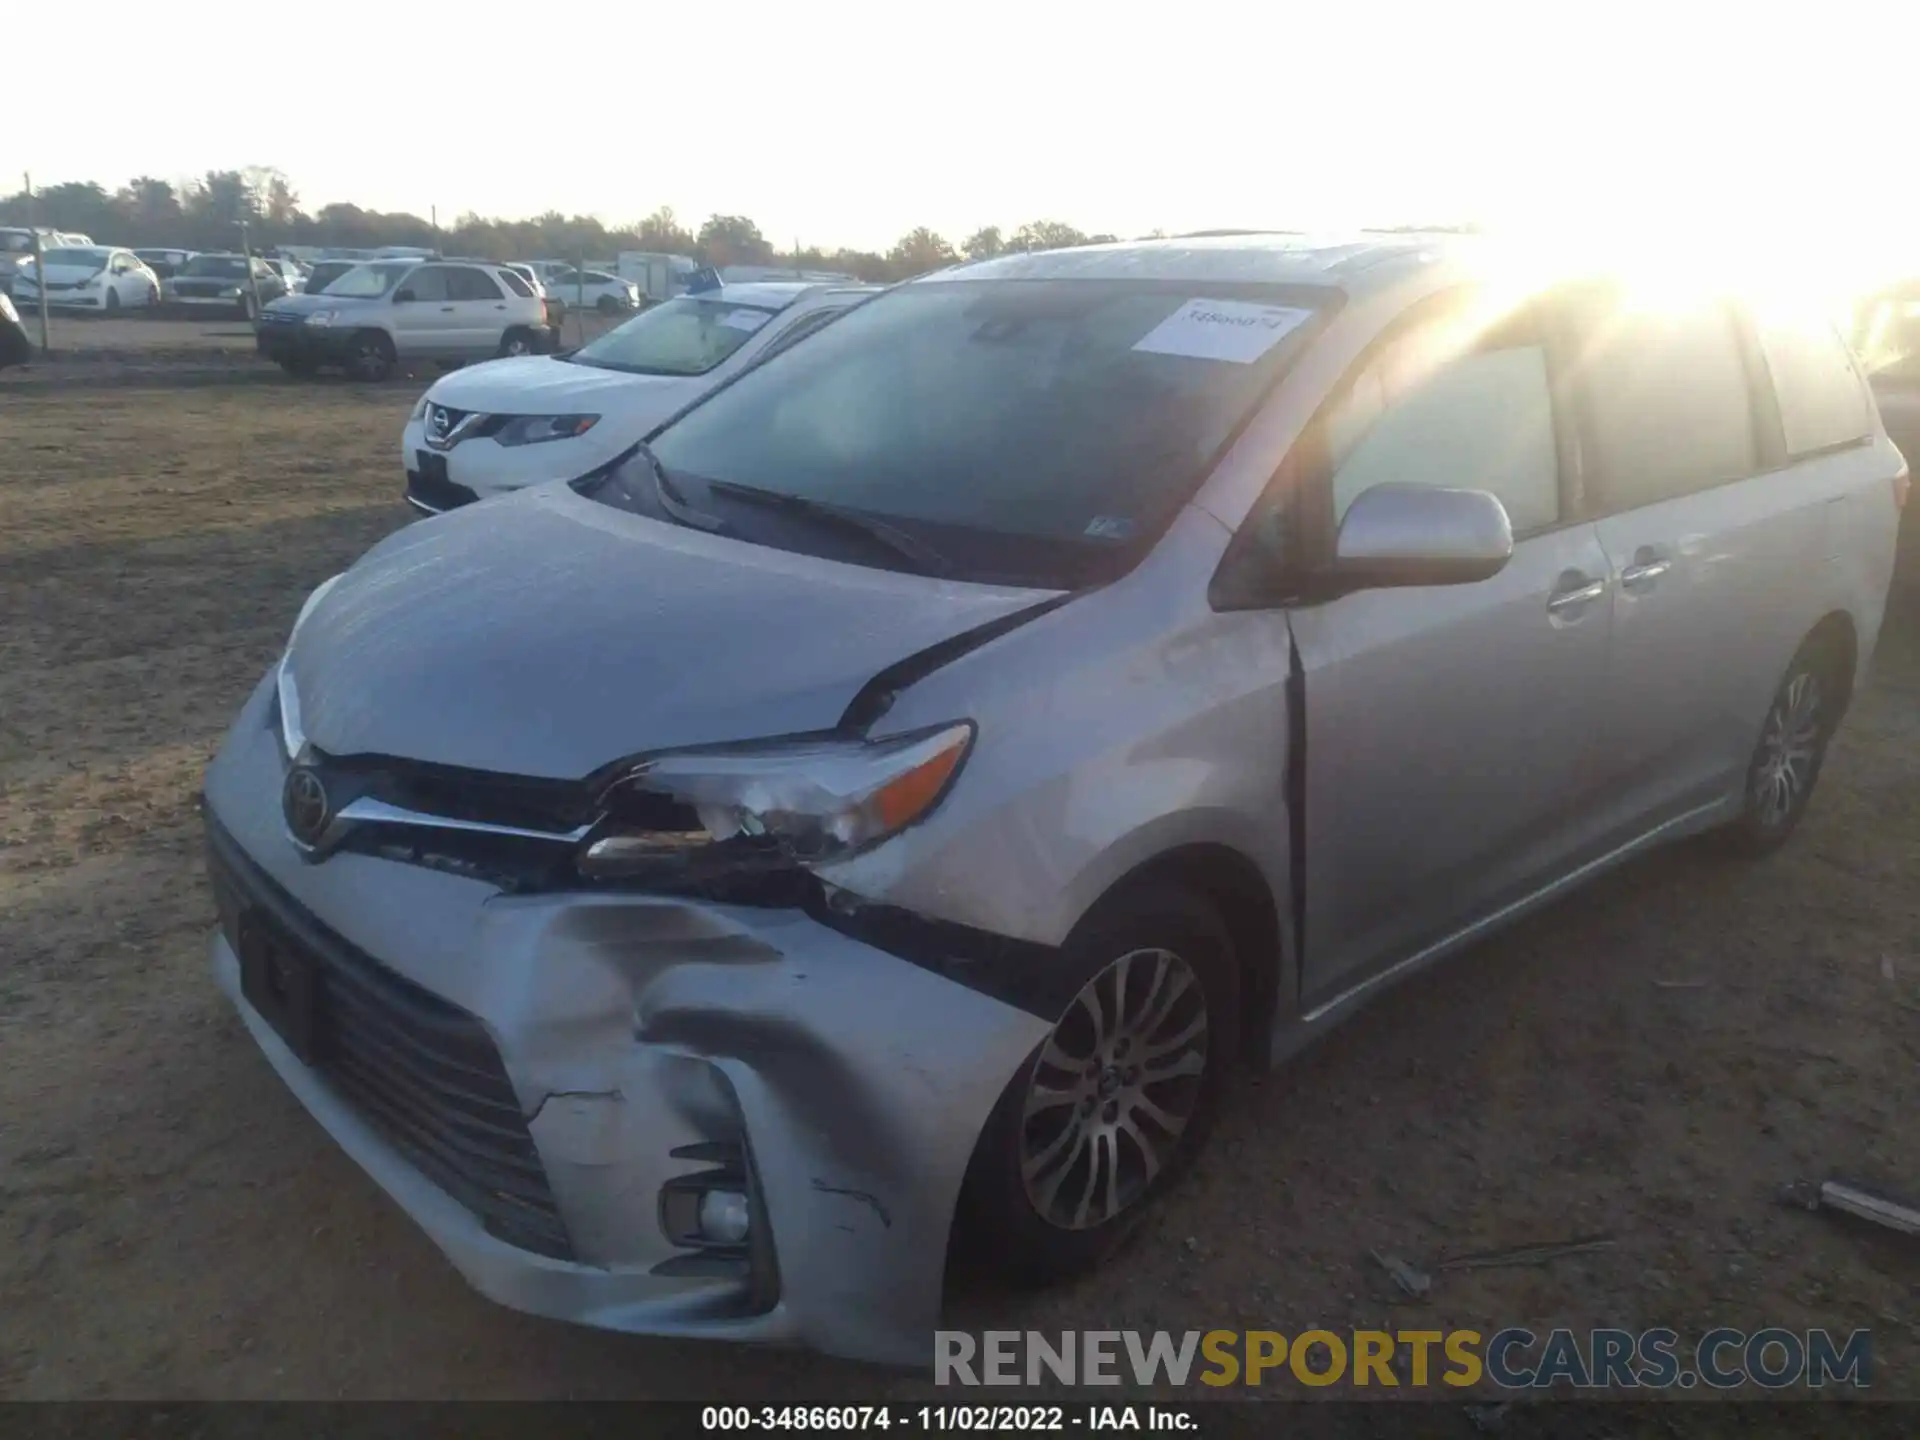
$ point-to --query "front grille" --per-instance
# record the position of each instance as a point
(279, 317)
(421, 1070)
(63, 285)
(438, 491)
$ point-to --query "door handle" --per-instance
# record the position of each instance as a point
(1644, 574)
(1578, 596)
(446, 309)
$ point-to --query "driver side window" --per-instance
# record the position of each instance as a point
(1454, 402)
(429, 282)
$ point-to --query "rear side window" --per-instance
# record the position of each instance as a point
(1667, 398)
(516, 284)
(468, 284)
(1823, 402)
(429, 282)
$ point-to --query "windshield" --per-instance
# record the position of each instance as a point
(1039, 428)
(325, 273)
(216, 267)
(369, 282)
(94, 258)
(687, 336)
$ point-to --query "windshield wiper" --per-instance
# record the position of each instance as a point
(668, 497)
(925, 559)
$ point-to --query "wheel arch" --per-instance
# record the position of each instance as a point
(1232, 882)
(1836, 635)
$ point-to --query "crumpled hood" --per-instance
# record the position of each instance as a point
(545, 634)
(541, 385)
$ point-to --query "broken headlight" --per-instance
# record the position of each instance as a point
(805, 802)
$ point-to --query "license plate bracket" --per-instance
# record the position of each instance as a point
(282, 984)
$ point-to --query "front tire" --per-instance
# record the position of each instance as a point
(370, 356)
(1112, 1107)
(113, 302)
(1791, 751)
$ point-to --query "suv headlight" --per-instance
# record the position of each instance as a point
(323, 317)
(419, 411)
(788, 802)
(534, 429)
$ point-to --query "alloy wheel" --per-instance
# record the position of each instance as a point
(1789, 751)
(1114, 1089)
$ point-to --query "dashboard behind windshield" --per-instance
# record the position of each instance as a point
(685, 336)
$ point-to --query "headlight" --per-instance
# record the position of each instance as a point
(292, 737)
(232, 292)
(533, 429)
(323, 317)
(801, 801)
(420, 407)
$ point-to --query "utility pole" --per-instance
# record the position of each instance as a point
(253, 276)
(434, 212)
(39, 268)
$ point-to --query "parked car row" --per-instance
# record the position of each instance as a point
(917, 746)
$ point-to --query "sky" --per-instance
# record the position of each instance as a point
(849, 124)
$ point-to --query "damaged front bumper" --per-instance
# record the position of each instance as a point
(646, 1049)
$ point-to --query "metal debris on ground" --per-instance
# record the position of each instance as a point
(1854, 1200)
(1414, 1281)
(1527, 1254)
(1680, 984)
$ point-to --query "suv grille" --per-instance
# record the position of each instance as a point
(421, 1070)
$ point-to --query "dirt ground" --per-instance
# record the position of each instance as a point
(173, 1225)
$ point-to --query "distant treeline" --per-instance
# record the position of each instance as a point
(205, 214)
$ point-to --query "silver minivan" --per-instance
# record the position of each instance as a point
(901, 793)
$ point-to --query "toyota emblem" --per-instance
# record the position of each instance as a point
(306, 804)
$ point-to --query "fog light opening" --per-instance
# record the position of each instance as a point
(724, 1217)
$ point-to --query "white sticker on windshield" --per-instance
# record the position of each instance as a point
(745, 319)
(1223, 330)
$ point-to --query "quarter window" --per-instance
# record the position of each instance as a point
(1451, 403)
(1668, 400)
(1823, 403)
(517, 285)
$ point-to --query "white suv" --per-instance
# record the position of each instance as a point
(387, 311)
(500, 427)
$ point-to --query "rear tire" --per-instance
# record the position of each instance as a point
(517, 341)
(1787, 759)
(370, 356)
(1112, 1107)
(607, 305)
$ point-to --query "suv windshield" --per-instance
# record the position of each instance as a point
(687, 336)
(216, 267)
(326, 272)
(95, 258)
(1040, 429)
(369, 282)
(16, 242)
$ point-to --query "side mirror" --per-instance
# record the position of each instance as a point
(1401, 535)
(402, 297)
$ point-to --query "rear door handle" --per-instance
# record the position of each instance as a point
(446, 309)
(1577, 592)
